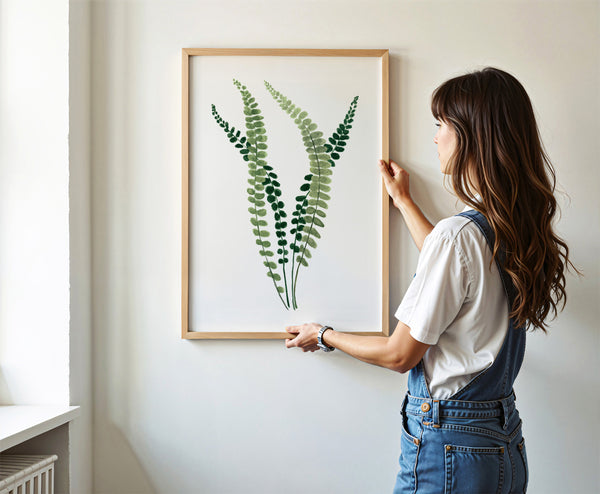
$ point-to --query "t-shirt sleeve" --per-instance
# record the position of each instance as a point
(437, 291)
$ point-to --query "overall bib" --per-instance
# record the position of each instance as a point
(470, 443)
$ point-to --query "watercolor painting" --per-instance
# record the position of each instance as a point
(295, 236)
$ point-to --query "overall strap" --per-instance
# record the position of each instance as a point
(482, 223)
(496, 381)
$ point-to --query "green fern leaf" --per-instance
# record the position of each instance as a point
(319, 163)
(302, 260)
(337, 141)
(263, 182)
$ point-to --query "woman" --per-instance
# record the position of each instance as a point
(483, 277)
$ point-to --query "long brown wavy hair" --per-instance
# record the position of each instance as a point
(499, 155)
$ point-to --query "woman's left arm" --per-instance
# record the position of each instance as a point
(399, 352)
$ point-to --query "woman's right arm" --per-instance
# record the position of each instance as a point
(397, 185)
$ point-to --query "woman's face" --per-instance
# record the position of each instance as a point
(445, 138)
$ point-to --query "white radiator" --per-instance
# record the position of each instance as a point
(27, 474)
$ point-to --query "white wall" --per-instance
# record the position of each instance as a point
(237, 416)
(34, 202)
(80, 363)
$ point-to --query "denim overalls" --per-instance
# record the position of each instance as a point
(470, 443)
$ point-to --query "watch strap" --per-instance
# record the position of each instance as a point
(322, 345)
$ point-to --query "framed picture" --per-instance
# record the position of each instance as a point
(285, 215)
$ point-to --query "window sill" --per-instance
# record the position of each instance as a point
(19, 423)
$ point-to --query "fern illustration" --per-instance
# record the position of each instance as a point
(263, 182)
(310, 207)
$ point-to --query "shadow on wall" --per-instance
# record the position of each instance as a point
(5, 396)
(126, 471)
(117, 466)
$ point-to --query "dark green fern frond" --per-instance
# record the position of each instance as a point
(338, 140)
(233, 135)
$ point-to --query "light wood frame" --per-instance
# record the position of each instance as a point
(187, 53)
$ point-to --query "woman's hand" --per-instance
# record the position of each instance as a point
(396, 182)
(305, 336)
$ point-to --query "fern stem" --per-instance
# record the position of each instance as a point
(313, 215)
(267, 257)
(294, 255)
(287, 298)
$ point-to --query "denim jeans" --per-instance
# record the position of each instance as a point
(461, 447)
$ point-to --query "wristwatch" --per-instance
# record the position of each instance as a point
(320, 343)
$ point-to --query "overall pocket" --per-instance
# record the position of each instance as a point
(474, 470)
(524, 479)
(409, 453)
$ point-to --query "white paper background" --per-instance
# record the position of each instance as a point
(229, 289)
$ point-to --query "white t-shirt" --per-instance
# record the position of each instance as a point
(457, 304)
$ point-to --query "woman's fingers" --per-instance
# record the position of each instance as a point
(293, 329)
(303, 337)
(394, 171)
(292, 341)
(390, 178)
(301, 343)
(396, 168)
(396, 181)
(385, 171)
